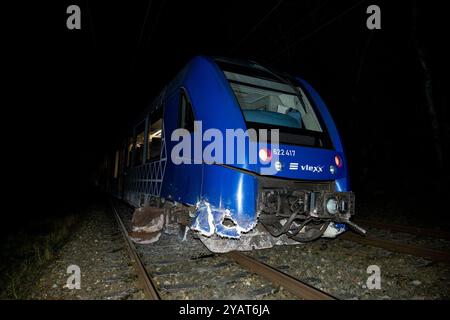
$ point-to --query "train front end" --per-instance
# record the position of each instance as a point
(292, 185)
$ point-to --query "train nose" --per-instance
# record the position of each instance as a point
(298, 162)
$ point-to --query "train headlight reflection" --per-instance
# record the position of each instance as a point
(332, 206)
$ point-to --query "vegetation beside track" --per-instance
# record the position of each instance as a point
(25, 252)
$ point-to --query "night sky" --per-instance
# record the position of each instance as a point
(71, 94)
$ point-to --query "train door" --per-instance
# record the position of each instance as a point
(183, 181)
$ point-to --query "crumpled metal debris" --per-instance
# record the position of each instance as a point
(147, 224)
(209, 220)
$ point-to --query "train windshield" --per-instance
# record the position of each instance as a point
(270, 103)
(273, 103)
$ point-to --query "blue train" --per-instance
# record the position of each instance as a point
(285, 182)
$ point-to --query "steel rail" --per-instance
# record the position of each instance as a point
(418, 251)
(426, 232)
(291, 284)
(147, 283)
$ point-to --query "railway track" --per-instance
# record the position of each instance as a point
(396, 246)
(146, 281)
(293, 285)
(167, 268)
(426, 232)
(188, 270)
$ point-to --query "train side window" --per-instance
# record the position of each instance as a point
(154, 137)
(139, 147)
(186, 115)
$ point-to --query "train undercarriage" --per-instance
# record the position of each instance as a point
(288, 213)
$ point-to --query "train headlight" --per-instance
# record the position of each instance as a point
(265, 155)
(332, 206)
(332, 169)
(278, 166)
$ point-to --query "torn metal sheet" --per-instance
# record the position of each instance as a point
(209, 220)
(334, 229)
(145, 237)
(147, 219)
(258, 238)
(204, 220)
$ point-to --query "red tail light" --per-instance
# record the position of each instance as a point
(338, 161)
(265, 155)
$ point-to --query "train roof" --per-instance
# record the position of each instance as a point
(224, 63)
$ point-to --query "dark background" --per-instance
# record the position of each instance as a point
(70, 94)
